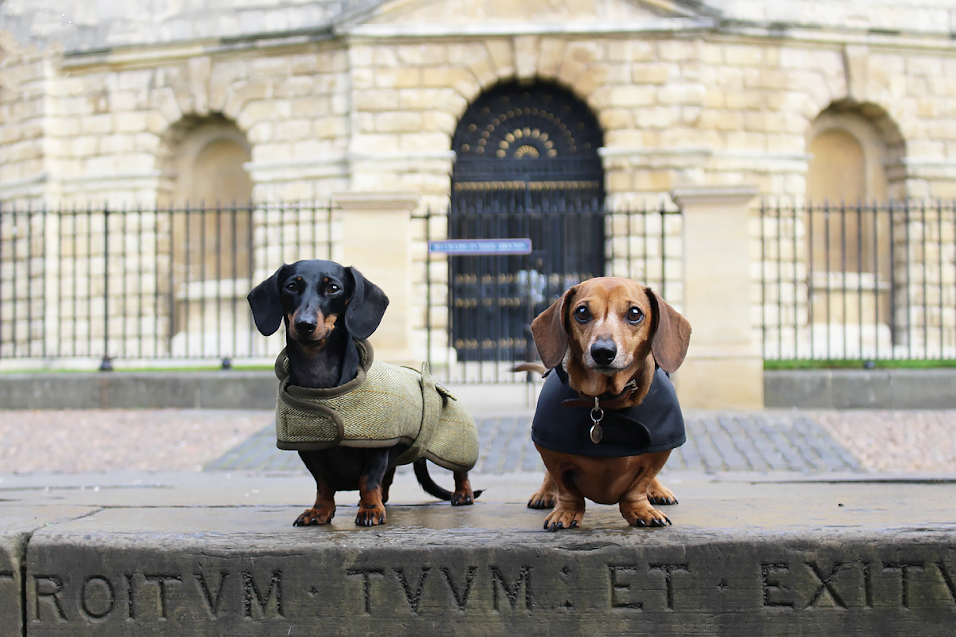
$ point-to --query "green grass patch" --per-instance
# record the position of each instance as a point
(910, 363)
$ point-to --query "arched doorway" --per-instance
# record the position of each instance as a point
(207, 191)
(856, 154)
(527, 167)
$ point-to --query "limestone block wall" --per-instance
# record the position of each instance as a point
(23, 108)
(116, 134)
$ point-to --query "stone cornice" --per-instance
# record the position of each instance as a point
(339, 31)
(148, 55)
(601, 27)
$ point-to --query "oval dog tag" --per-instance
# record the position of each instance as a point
(597, 415)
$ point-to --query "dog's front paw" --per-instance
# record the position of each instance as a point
(315, 517)
(370, 516)
(658, 494)
(546, 496)
(643, 515)
(563, 518)
(541, 500)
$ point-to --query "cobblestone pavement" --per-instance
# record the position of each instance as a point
(854, 441)
(716, 442)
(71, 440)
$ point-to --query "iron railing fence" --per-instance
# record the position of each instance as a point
(858, 282)
(136, 283)
(479, 308)
(97, 285)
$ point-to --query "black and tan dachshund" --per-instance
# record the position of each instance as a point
(325, 308)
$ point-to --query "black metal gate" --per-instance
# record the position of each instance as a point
(527, 167)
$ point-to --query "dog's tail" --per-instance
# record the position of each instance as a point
(430, 486)
(530, 367)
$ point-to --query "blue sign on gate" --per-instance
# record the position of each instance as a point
(478, 247)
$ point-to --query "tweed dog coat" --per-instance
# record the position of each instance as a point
(382, 406)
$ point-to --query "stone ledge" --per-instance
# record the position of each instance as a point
(803, 389)
(861, 389)
(139, 390)
(799, 558)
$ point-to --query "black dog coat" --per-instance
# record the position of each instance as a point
(654, 425)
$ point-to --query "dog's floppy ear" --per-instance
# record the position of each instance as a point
(266, 303)
(550, 331)
(366, 306)
(671, 334)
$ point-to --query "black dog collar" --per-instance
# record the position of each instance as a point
(654, 425)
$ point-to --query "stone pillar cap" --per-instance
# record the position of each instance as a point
(407, 200)
(714, 194)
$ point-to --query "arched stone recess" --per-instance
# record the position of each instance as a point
(206, 219)
(201, 162)
(855, 169)
(857, 147)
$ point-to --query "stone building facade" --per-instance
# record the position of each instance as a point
(329, 96)
(289, 100)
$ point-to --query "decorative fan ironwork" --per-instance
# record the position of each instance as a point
(542, 132)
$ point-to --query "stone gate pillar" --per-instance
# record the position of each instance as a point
(724, 365)
(377, 241)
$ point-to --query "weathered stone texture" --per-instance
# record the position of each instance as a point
(185, 574)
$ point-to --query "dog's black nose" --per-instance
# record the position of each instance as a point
(305, 326)
(603, 352)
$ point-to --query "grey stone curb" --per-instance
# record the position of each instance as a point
(139, 390)
(861, 389)
(803, 389)
(185, 556)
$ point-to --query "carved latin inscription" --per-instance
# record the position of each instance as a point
(97, 597)
(47, 594)
(150, 596)
(856, 584)
(461, 598)
(427, 590)
(621, 584)
(512, 592)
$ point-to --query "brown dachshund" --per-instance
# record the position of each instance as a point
(605, 339)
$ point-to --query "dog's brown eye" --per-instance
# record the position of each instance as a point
(634, 315)
(582, 314)
(333, 288)
(291, 286)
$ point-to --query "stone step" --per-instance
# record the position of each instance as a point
(215, 554)
(801, 388)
